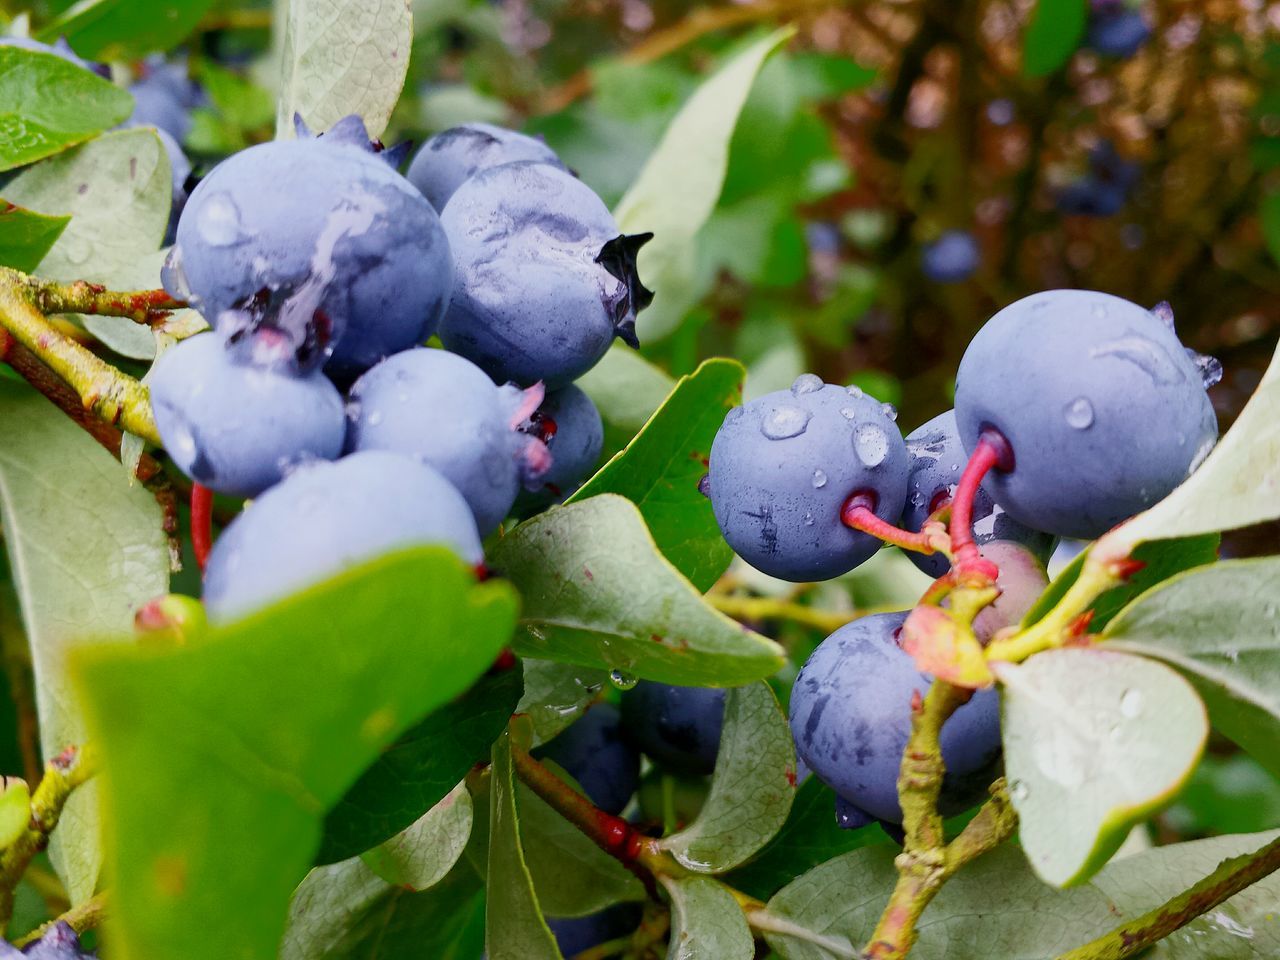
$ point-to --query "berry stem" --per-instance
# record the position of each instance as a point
(858, 513)
(86, 916)
(146, 307)
(201, 523)
(986, 455)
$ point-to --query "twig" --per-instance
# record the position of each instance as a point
(756, 609)
(87, 916)
(49, 296)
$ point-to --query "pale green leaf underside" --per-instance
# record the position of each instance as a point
(420, 856)
(706, 921)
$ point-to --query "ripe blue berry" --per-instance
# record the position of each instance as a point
(59, 942)
(851, 717)
(443, 410)
(1103, 409)
(570, 425)
(593, 751)
(235, 427)
(678, 728)
(454, 156)
(320, 240)
(544, 280)
(1117, 30)
(782, 467)
(937, 460)
(577, 934)
(164, 97)
(951, 258)
(326, 517)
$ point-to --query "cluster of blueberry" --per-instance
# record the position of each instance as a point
(321, 270)
(1084, 407)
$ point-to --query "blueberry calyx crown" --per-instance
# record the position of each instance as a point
(352, 132)
(618, 257)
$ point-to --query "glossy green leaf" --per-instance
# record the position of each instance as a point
(345, 911)
(752, 788)
(86, 549)
(264, 725)
(26, 236)
(1219, 627)
(681, 182)
(117, 190)
(423, 853)
(660, 469)
(48, 104)
(125, 29)
(556, 694)
(343, 57)
(596, 592)
(627, 389)
(571, 875)
(706, 921)
(419, 769)
(810, 836)
(1236, 486)
(514, 927)
(1094, 742)
(1055, 32)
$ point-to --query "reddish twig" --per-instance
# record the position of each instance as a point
(992, 451)
(201, 523)
(858, 513)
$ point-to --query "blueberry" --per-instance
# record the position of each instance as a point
(1090, 197)
(58, 943)
(1118, 32)
(570, 425)
(319, 239)
(236, 427)
(937, 460)
(851, 717)
(164, 97)
(782, 467)
(1021, 581)
(593, 751)
(678, 728)
(327, 517)
(574, 935)
(453, 156)
(544, 280)
(443, 410)
(951, 258)
(1103, 409)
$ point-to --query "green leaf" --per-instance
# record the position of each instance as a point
(86, 548)
(597, 593)
(26, 236)
(810, 836)
(125, 29)
(660, 469)
(1234, 487)
(556, 694)
(1094, 742)
(627, 390)
(1219, 627)
(571, 875)
(345, 911)
(343, 57)
(48, 104)
(421, 855)
(514, 927)
(681, 182)
(706, 921)
(264, 724)
(752, 788)
(117, 190)
(1055, 32)
(419, 769)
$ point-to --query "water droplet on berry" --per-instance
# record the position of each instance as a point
(1163, 311)
(1019, 791)
(806, 383)
(173, 277)
(218, 221)
(849, 413)
(849, 817)
(819, 479)
(1079, 413)
(1131, 703)
(1210, 367)
(783, 422)
(871, 444)
(808, 519)
(889, 410)
(623, 680)
(854, 391)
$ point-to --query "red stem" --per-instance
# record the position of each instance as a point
(858, 513)
(201, 523)
(992, 450)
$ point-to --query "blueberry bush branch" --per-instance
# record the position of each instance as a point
(86, 916)
(146, 307)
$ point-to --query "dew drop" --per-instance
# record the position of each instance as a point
(849, 413)
(1163, 311)
(806, 383)
(785, 421)
(1210, 367)
(218, 221)
(623, 680)
(808, 519)
(854, 391)
(889, 410)
(871, 444)
(1131, 703)
(1079, 413)
(819, 479)
(1019, 791)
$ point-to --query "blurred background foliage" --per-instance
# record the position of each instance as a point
(1146, 165)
